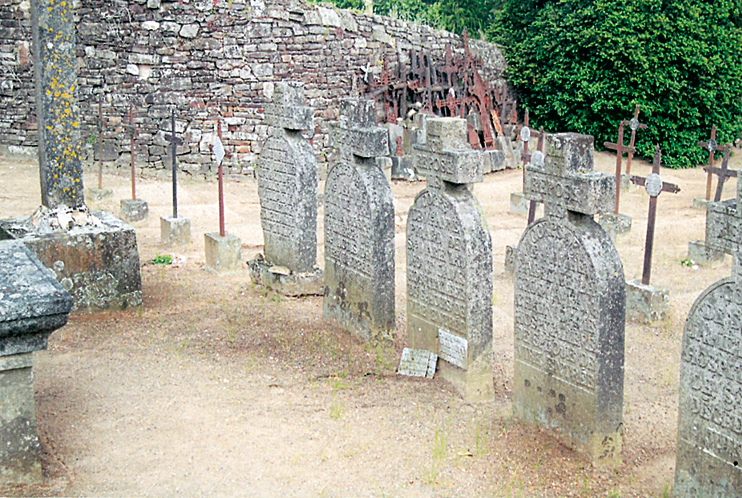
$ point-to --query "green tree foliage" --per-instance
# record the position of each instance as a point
(582, 65)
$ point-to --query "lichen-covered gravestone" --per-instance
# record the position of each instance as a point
(570, 305)
(359, 227)
(709, 452)
(449, 262)
(32, 306)
(287, 186)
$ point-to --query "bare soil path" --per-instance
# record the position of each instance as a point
(216, 388)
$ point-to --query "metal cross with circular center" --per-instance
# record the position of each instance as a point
(634, 124)
(712, 145)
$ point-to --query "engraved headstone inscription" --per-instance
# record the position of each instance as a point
(359, 227)
(569, 305)
(709, 450)
(287, 182)
(449, 262)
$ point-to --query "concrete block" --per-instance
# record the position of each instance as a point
(223, 254)
(645, 303)
(175, 231)
(134, 210)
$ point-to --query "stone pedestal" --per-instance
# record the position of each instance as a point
(98, 263)
(20, 454)
(402, 168)
(494, 160)
(32, 306)
(700, 203)
(223, 254)
(134, 210)
(175, 231)
(98, 194)
(615, 224)
(703, 255)
(646, 303)
(519, 204)
(282, 280)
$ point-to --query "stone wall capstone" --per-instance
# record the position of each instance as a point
(208, 58)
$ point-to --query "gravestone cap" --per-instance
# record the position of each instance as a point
(32, 302)
(447, 155)
(288, 110)
(566, 181)
(355, 132)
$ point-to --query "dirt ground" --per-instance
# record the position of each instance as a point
(214, 387)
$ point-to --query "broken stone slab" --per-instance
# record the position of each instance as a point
(701, 254)
(282, 280)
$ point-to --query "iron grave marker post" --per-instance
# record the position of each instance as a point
(133, 209)
(713, 147)
(287, 186)
(724, 173)
(709, 449)
(634, 125)
(173, 229)
(99, 193)
(616, 223)
(449, 262)
(223, 250)
(569, 305)
(359, 227)
(644, 302)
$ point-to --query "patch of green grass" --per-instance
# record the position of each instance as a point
(163, 259)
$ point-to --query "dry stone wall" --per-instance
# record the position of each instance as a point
(206, 58)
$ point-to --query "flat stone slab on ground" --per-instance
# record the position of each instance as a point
(283, 281)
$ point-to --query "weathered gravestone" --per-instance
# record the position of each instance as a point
(287, 186)
(359, 227)
(449, 262)
(32, 305)
(569, 305)
(709, 451)
(94, 256)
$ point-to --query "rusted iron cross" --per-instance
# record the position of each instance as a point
(132, 136)
(174, 141)
(654, 185)
(712, 146)
(620, 148)
(634, 124)
(723, 173)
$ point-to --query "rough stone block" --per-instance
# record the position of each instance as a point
(646, 303)
(97, 264)
(518, 203)
(134, 210)
(223, 254)
(97, 195)
(703, 255)
(700, 203)
(495, 159)
(615, 224)
(282, 280)
(175, 231)
(402, 168)
(505, 145)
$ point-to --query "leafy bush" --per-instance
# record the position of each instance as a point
(581, 66)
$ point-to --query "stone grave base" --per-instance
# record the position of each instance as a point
(280, 279)
(626, 185)
(20, 454)
(494, 160)
(646, 303)
(519, 204)
(700, 203)
(474, 384)
(223, 254)
(175, 231)
(615, 224)
(132, 211)
(98, 194)
(97, 264)
(402, 168)
(510, 253)
(701, 254)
